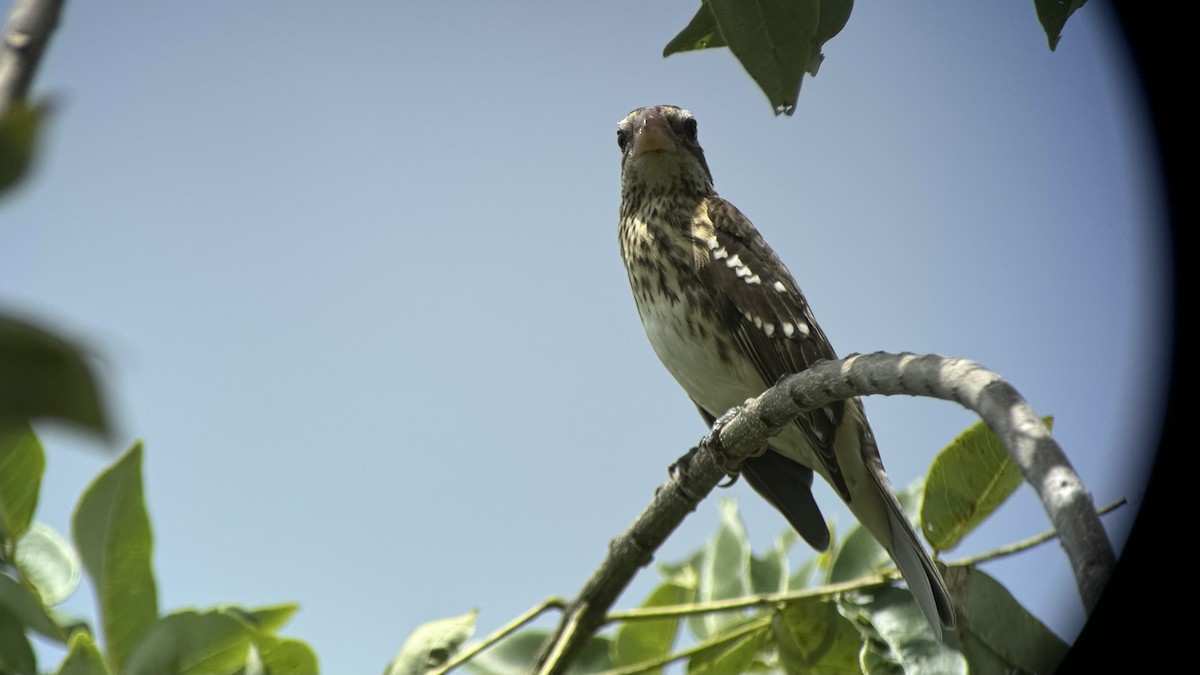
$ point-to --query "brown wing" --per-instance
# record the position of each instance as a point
(769, 318)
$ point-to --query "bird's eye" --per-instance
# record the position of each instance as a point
(622, 138)
(689, 128)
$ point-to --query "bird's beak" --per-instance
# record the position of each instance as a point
(652, 132)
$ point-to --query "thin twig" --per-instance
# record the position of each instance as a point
(1025, 437)
(504, 631)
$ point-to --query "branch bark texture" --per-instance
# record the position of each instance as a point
(30, 23)
(1026, 438)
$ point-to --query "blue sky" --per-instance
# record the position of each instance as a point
(351, 272)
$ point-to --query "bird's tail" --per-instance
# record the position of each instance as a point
(876, 507)
(922, 576)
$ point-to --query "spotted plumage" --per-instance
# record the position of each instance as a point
(727, 319)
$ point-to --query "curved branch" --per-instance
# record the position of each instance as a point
(745, 431)
(26, 33)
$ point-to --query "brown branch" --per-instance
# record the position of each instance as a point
(26, 34)
(1027, 440)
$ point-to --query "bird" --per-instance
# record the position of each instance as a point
(728, 320)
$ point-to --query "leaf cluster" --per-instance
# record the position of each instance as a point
(726, 609)
(112, 543)
(779, 41)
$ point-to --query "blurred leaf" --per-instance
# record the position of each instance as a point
(639, 641)
(42, 375)
(515, 656)
(285, 656)
(18, 139)
(769, 574)
(16, 654)
(1053, 15)
(967, 482)
(22, 463)
(700, 33)
(859, 554)
(112, 533)
(28, 610)
(899, 639)
(432, 644)
(736, 655)
(723, 569)
(48, 563)
(996, 630)
(83, 657)
(266, 620)
(815, 639)
(191, 643)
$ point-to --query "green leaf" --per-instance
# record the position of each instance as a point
(1053, 15)
(899, 639)
(769, 574)
(748, 639)
(83, 657)
(112, 533)
(776, 41)
(284, 656)
(995, 630)
(16, 654)
(42, 375)
(515, 655)
(860, 554)
(22, 463)
(723, 570)
(432, 644)
(967, 482)
(18, 139)
(700, 33)
(48, 563)
(265, 620)
(815, 639)
(28, 609)
(191, 643)
(639, 641)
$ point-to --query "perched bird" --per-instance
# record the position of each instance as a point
(727, 320)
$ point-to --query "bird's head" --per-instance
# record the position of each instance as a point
(659, 151)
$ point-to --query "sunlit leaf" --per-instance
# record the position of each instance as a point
(83, 657)
(432, 644)
(967, 482)
(48, 563)
(112, 534)
(191, 643)
(285, 656)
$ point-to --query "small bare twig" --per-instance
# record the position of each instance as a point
(1026, 438)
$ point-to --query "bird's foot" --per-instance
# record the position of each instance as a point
(713, 440)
